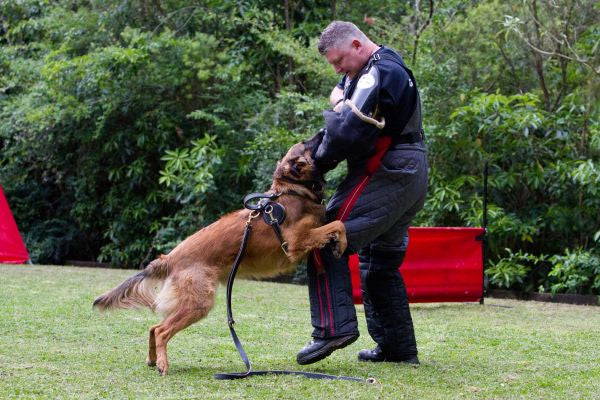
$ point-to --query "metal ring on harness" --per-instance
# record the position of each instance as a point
(274, 213)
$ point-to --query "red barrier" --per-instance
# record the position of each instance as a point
(441, 265)
(12, 248)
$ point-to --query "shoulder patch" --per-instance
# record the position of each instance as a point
(365, 82)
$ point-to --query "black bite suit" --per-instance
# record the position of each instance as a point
(376, 202)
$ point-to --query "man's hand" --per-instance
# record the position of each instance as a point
(338, 107)
(336, 95)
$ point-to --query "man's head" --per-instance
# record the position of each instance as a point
(345, 47)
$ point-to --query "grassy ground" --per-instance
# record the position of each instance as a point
(52, 345)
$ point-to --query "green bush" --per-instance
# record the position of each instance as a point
(543, 181)
(511, 271)
(575, 271)
(126, 126)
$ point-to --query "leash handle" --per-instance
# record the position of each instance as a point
(258, 196)
(230, 279)
(234, 268)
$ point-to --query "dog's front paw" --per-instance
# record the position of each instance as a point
(338, 244)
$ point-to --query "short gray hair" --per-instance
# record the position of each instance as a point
(338, 35)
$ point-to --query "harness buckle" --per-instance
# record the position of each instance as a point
(284, 247)
(251, 216)
(269, 212)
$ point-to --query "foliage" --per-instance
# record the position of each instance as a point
(510, 271)
(575, 272)
(540, 163)
(190, 171)
(126, 126)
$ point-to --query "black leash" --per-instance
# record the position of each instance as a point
(230, 322)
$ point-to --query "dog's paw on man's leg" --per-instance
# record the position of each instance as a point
(334, 244)
(337, 239)
(332, 234)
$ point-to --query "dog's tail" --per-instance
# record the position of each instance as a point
(138, 291)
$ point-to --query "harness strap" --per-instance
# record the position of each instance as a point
(274, 215)
(311, 184)
(236, 340)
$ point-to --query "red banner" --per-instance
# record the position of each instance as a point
(441, 265)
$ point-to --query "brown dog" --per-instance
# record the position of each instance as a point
(182, 284)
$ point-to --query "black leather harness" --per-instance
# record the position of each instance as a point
(273, 214)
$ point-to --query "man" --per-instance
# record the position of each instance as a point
(376, 126)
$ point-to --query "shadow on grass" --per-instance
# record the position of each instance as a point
(428, 307)
(264, 370)
(192, 370)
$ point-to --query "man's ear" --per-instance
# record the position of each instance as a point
(356, 44)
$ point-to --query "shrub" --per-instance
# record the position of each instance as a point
(576, 271)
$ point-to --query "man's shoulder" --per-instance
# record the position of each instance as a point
(391, 65)
(389, 57)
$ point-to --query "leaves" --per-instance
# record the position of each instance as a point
(129, 125)
(576, 271)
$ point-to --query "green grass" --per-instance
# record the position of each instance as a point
(53, 345)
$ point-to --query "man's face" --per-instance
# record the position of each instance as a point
(349, 60)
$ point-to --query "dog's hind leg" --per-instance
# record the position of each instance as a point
(188, 298)
(168, 328)
(151, 360)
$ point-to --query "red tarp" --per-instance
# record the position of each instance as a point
(12, 248)
(441, 265)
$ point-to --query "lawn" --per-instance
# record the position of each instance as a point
(53, 345)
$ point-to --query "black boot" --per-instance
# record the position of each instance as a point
(318, 348)
(377, 355)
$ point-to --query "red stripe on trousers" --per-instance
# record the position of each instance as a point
(319, 272)
(381, 146)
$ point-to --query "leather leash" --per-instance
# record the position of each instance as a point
(230, 321)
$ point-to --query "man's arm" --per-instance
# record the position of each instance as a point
(336, 95)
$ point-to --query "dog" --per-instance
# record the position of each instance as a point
(182, 284)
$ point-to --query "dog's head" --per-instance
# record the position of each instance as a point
(298, 165)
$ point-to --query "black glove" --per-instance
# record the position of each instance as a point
(316, 140)
(314, 143)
